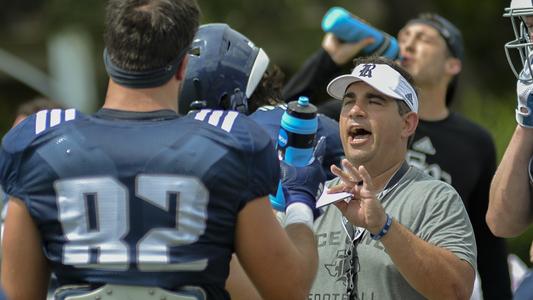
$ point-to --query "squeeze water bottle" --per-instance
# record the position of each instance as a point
(349, 28)
(296, 139)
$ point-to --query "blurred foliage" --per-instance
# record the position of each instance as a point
(495, 113)
(289, 31)
(89, 14)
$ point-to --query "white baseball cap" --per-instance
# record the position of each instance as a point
(382, 77)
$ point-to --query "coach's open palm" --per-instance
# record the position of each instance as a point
(364, 210)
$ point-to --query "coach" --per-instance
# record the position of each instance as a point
(417, 241)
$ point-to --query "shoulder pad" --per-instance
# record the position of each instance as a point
(250, 135)
(35, 125)
(219, 118)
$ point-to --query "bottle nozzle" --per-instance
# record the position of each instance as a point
(303, 101)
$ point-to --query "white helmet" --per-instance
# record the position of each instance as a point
(522, 42)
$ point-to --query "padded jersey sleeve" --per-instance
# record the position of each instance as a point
(13, 145)
(17, 141)
(263, 164)
(269, 119)
(255, 147)
(446, 224)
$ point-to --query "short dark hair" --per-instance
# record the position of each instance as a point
(402, 106)
(147, 34)
(268, 91)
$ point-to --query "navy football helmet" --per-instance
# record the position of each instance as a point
(517, 11)
(224, 69)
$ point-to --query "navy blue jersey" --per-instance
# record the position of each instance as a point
(269, 118)
(138, 198)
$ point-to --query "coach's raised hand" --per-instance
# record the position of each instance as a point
(364, 210)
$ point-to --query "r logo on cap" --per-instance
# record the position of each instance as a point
(366, 71)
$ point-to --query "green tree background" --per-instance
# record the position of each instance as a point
(289, 31)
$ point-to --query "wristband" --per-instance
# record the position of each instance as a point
(299, 213)
(383, 230)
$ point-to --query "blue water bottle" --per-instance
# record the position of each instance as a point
(296, 139)
(350, 28)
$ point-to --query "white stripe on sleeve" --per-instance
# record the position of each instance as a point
(202, 114)
(55, 117)
(70, 114)
(227, 124)
(215, 117)
(40, 121)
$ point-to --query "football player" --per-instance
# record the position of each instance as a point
(509, 212)
(228, 71)
(135, 202)
(510, 205)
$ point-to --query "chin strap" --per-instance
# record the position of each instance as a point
(238, 102)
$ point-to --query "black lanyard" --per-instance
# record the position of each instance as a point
(394, 180)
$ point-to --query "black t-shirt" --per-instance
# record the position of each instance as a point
(462, 154)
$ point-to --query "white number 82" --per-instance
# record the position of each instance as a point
(94, 214)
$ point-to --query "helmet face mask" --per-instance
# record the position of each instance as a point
(522, 44)
(224, 70)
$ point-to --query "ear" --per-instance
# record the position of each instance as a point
(410, 122)
(180, 74)
(453, 66)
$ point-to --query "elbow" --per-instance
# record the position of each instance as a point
(458, 290)
(500, 226)
(462, 291)
(299, 286)
(463, 284)
(457, 285)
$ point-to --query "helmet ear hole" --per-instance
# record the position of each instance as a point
(225, 102)
(195, 51)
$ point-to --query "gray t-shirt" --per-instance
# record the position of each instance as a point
(429, 208)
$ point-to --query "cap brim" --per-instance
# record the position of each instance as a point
(337, 87)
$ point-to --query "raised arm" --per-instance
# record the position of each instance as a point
(510, 209)
(325, 64)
